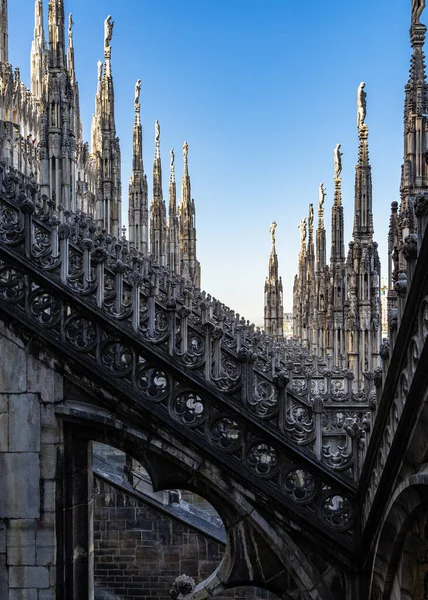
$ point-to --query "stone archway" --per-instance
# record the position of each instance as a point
(258, 552)
(399, 565)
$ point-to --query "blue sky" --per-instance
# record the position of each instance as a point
(262, 90)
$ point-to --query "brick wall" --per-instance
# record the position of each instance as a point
(139, 551)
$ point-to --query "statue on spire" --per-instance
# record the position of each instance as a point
(361, 105)
(417, 10)
(172, 158)
(70, 28)
(337, 162)
(108, 31)
(157, 133)
(311, 217)
(321, 197)
(302, 228)
(100, 70)
(137, 92)
(272, 232)
(185, 151)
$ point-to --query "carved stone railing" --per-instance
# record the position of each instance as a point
(280, 417)
(405, 359)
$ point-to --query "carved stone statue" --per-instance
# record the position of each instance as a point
(302, 228)
(172, 158)
(361, 105)
(417, 10)
(108, 31)
(70, 25)
(157, 132)
(272, 232)
(337, 161)
(100, 70)
(137, 92)
(311, 216)
(321, 197)
(185, 150)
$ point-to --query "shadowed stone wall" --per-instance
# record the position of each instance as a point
(29, 442)
(139, 551)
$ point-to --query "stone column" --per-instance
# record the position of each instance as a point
(78, 515)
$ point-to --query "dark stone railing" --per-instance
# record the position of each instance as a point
(280, 416)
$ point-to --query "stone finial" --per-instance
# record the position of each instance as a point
(182, 586)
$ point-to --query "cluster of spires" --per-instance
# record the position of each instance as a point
(336, 307)
(79, 178)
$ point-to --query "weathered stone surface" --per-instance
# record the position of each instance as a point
(3, 537)
(48, 495)
(13, 371)
(48, 461)
(45, 547)
(24, 423)
(23, 594)
(46, 595)
(21, 540)
(4, 403)
(4, 580)
(44, 380)
(18, 501)
(4, 432)
(28, 577)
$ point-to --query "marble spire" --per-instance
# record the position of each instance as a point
(363, 215)
(273, 308)
(190, 268)
(4, 41)
(138, 216)
(157, 208)
(39, 52)
(56, 34)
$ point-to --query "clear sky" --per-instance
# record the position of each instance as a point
(262, 90)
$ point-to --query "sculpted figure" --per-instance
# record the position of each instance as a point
(337, 162)
(172, 158)
(361, 104)
(70, 25)
(185, 150)
(417, 10)
(311, 216)
(321, 196)
(108, 31)
(157, 132)
(302, 228)
(272, 232)
(100, 70)
(137, 92)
